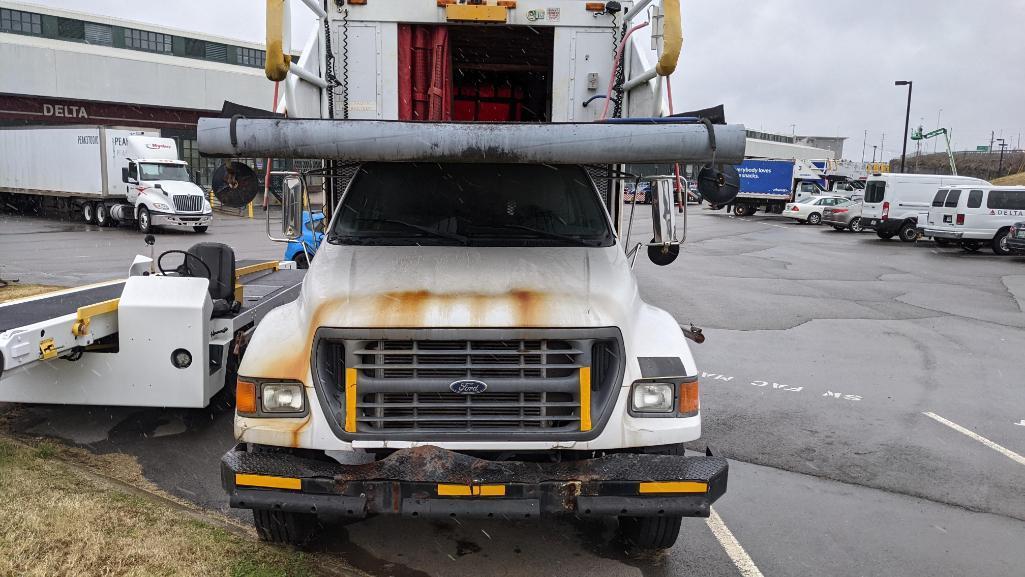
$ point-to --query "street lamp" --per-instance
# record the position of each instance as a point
(907, 121)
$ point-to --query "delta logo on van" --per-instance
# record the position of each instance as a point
(1004, 212)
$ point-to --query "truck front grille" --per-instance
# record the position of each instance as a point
(188, 203)
(451, 412)
(531, 385)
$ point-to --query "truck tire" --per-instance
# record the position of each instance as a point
(855, 224)
(884, 235)
(1000, 247)
(741, 210)
(103, 215)
(650, 533)
(200, 229)
(907, 232)
(814, 218)
(89, 212)
(297, 529)
(145, 224)
(301, 262)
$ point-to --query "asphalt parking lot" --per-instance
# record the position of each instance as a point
(868, 393)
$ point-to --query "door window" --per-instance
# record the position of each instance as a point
(133, 171)
(952, 199)
(975, 199)
(875, 190)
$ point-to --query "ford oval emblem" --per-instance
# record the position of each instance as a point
(468, 387)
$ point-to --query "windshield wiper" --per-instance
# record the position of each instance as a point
(548, 234)
(333, 238)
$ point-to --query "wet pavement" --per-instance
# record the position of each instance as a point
(842, 377)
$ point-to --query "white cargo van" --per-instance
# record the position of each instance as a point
(975, 216)
(893, 202)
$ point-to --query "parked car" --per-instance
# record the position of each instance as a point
(810, 209)
(1016, 237)
(895, 202)
(975, 216)
(843, 216)
(313, 233)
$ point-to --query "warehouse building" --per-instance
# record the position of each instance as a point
(62, 67)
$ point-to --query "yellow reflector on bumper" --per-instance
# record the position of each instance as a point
(471, 490)
(268, 481)
(672, 487)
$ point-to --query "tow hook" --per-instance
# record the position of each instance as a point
(693, 333)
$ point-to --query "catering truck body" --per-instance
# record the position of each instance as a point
(470, 338)
(110, 175)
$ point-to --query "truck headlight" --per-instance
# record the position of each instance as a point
(282, 397)
(161, 206)
(652, 398)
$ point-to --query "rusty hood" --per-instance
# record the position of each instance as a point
(353, 286)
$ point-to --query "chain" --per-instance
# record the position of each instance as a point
(617, 99)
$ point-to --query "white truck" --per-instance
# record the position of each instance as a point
(470, 339)
(111, 175)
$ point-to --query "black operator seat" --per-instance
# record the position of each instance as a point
(220, 258)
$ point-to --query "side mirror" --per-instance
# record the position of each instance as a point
(292, 207)
(664, 248)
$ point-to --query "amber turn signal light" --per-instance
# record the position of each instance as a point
(688, 403)
(245, 397)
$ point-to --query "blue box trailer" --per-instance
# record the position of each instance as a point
(764, 185)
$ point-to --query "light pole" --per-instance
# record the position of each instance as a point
(1000, 168)
(907, 121)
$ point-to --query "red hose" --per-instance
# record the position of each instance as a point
(615, 67)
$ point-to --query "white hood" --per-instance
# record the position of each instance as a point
(357, 286)
(174, 187)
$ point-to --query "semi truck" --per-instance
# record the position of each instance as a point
(109, 175)
(470, 340)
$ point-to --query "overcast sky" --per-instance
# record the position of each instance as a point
(826, 67)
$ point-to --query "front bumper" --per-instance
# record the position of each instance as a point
(428, 481)
(169, 219)
(1016, 244)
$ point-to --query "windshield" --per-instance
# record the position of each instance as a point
(471, 205)
(161, 171)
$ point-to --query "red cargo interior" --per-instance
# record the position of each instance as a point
(486, 73)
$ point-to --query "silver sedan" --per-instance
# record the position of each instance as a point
(844, 216)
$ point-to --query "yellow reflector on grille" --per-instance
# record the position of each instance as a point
(268, 481)
(672, 487)
(585, 398)
(471, 490)
(350, 400)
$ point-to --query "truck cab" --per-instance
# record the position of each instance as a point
(159, 188)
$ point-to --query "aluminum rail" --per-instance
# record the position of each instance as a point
(393, 141)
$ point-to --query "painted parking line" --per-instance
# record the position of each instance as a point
(729, 543)
(998, 448)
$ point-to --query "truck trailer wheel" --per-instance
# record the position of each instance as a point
(89, 212)
(298, 529)
(741, 210)
(103, 215)
(650, 532)
(145, 225)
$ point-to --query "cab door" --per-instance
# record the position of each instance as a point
(132, 187)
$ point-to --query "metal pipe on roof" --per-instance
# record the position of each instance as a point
(391, 141)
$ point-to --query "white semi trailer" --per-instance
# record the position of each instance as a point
(111, 175)
(470, 339)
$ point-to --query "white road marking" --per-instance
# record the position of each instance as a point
(732, 547)
(998, 448)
